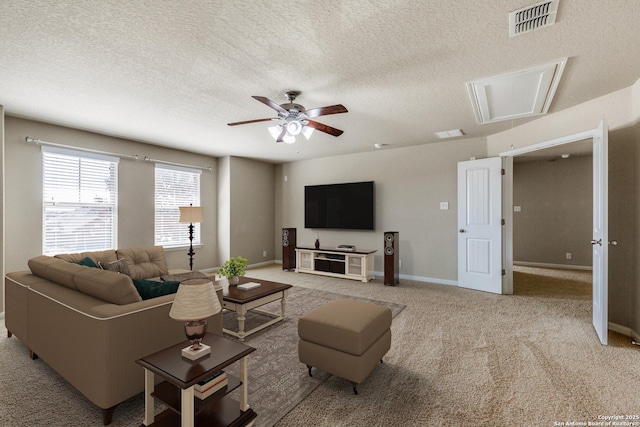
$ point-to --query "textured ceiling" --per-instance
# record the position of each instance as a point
(175, 73)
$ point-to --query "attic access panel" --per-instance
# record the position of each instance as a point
(519, 94)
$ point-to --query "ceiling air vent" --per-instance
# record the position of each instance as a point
(531, 18)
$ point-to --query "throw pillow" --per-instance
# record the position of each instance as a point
(88, 262)
(151, 289)
(119, 266)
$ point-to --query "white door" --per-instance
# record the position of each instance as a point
(600, 231)
(480, 225)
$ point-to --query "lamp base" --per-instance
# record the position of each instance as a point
(196, 354)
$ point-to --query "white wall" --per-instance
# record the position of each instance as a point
(410, 183)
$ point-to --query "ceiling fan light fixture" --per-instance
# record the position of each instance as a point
(307, 131)
(275, 131)
(289, 139)
(294, 127)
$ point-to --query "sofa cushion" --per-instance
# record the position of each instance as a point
(108, 255)
(152, 289)
(119, 266)
(55, 269)
(105, 285)
(145, 262)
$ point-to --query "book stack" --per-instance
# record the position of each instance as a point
(210, 385)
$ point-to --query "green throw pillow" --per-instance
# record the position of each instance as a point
(151, 289)
(88, 262)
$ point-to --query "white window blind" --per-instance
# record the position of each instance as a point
(80, 201)
(175, 186)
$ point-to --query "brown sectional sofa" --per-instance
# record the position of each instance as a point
(90, 325)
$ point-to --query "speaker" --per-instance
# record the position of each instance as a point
(288, 248)
(391, 258)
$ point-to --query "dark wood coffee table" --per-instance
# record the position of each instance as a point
(241, 301)
(181, 374)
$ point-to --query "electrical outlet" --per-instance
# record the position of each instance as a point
(568, 255)
(444, 205)
(264, 253)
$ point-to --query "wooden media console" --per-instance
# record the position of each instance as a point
(346, 264)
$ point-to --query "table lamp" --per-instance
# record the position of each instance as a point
(195, 300)
(191, 214)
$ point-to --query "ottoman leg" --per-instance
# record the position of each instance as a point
(355, 391)
(309, 367)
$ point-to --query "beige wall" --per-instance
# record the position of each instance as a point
(556, 214)
(2, 204)
(23, 192)
(410, 184)
(246, 198)
(224, 210)
(252, 210)
(635, 235)
(624, 225)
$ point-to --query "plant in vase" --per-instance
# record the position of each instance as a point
(233, 268)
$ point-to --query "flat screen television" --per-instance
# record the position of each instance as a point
(348, 206)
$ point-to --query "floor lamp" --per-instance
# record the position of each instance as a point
(191, 214)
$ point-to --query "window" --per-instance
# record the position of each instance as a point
(175, 186)
(80, 201)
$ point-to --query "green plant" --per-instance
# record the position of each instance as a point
(233, 267)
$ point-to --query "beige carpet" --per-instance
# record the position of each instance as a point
(458, 358)
(466, 358)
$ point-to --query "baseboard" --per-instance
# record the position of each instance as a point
(422, 279)
(250, 266)
(262, 264)
(548, 265)
(623, 330)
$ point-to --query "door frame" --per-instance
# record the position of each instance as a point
(507, 199)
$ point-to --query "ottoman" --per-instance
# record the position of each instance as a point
(345, 337)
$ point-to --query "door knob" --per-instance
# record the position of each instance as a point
(462, 230)
(597, 242)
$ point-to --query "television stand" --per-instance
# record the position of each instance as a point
(345, 264)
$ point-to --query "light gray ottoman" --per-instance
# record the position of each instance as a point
(345, 337)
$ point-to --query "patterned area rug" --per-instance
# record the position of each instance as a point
(277, 379)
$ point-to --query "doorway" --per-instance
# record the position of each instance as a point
(599, 241)
(552, 219)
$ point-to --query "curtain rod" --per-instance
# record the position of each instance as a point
(164, 162)
(88, 150)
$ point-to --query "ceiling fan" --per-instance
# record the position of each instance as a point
(296, 118)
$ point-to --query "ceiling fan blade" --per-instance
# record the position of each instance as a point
(324, 128)
(325, 111)
(250, 121)
(270, 103)
(282, 134)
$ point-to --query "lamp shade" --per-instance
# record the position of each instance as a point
(191, 214)
(195, 300)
